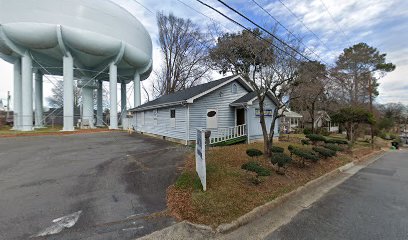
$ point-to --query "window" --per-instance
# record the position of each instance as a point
(172, 117)
(234, 88)
(212, 118)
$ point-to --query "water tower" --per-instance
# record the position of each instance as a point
(88, 40)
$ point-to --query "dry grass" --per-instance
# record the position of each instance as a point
(231, 191)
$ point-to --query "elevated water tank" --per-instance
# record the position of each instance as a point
(98, 39)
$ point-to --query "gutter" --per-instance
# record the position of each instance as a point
(158, 106)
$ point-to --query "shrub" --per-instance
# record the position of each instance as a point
(252, 152)
(334, 147)
(316, 137)
(276, 149)
(324, 152)
(255, 167)
(303, 154)
(305, 142)
(336, 141)
(281, 160)
(307, 131)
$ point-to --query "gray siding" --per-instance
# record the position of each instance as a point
(255, 130)
(162, 126)
(226, 114)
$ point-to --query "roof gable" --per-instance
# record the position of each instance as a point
(190, 94)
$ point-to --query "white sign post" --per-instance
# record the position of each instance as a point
(200, 157)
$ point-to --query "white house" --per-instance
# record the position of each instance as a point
(290, 121)
(228, 107)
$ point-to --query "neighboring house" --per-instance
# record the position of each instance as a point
(290, 121)
(228, 107)
(321, 120)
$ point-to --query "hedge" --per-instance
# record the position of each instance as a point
(305, 142)
(334, 147)
(281, 159)
(255, 167)
(336, 141)
(303, 153)
(276, 149)
(324, 152)
(316, 138)
(252, 152)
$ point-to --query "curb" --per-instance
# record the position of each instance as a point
(263, 209)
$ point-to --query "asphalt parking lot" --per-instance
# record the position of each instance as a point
(113, 183)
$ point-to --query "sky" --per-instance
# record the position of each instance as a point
(325, 27)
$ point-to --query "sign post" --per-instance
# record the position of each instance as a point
(200, 157)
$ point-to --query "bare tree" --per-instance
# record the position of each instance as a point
(271, 72)
(312, 88)
(184, 48)
(56, 100)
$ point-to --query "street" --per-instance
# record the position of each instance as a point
(372, 204)
(113, 184)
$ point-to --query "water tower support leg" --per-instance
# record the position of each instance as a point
(87, 106)
(39, 123)
(137, 97)
(99, 110)
(122, 102)
(27, 92)
(113, 81)
(17, 95)
(68, 93)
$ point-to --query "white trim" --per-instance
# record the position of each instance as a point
(191, 100)
(163, 105)
(188, 123)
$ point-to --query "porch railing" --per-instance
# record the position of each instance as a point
(225, 134)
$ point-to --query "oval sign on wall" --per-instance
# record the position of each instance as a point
(211, 113)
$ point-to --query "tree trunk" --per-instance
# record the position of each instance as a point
(272, 129)
(312, 116)
(267, 146)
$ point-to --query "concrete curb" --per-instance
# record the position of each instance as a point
(263, 209)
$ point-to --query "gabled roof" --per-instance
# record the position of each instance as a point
(248, 98)
(190, 94)
(292, 114)
(244, 99)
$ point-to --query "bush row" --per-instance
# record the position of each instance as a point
(324, 152)
(255, 167)
(319, 138)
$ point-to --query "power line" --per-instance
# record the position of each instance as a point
(249, 30)
(254, 23)
(332, 18)
(290, 32)
(304, 25)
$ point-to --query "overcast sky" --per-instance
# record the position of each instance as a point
(337, 24)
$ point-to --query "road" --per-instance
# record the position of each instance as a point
(372, 204)
(116, 182)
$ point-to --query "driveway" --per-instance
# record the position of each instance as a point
(113, 184)
(373, 204)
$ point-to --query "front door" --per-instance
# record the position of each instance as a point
(240, 116)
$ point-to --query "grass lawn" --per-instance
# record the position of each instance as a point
(231, 191)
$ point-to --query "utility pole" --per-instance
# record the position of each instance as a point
(370, 92)
(8, 106)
